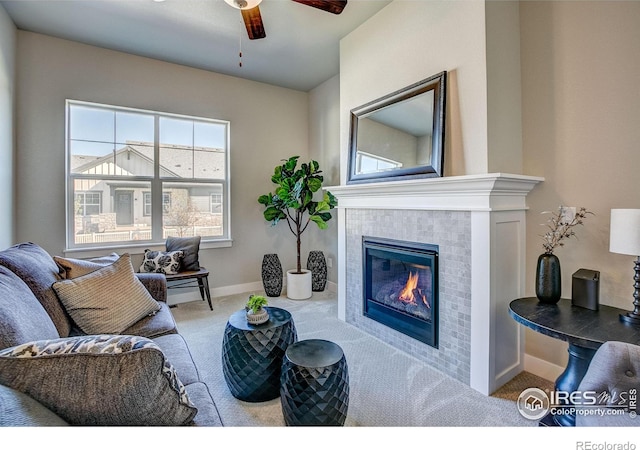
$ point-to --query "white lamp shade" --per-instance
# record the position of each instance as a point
(625, 232)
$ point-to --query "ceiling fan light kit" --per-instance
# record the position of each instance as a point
(243, 4)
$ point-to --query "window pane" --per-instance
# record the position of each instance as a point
(91, 157)
(176, 132)
(110, 211)
(209, 163)
(134, 128)
(212, 135)
(91, 124)
(176, 162)
(191, 212)
(134, 160)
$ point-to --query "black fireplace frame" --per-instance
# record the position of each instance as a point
(423, 330)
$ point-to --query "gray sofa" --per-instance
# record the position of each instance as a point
(52, 373)
(614, 376)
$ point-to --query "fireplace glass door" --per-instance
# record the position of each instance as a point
(401, 286)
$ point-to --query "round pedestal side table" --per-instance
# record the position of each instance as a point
(314, 384)
(252, 354)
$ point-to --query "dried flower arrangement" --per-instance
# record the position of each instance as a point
(560, 227)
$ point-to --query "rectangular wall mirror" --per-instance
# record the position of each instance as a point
(400, 135)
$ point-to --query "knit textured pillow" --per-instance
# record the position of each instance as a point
(99, 380)
(168, 263)
(73, 268)
(108, 300)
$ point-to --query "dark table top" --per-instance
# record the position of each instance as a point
(574, 324)
(277, 318)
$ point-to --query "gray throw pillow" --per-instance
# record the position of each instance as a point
(108, 300)
(73, 268)
(99, 380)
(22, 317)
(190, 246)
(39, 271)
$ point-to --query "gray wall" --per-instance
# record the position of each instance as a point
(8, 35)
(268, 124)
(581, 105)
(408, 41)
(324, 147)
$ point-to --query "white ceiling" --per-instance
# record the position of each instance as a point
(301, 49)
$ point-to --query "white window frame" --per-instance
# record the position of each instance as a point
(157, 241)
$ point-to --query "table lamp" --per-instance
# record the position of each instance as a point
(625, 239)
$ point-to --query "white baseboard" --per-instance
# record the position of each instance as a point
(542, 368)
(191, 295)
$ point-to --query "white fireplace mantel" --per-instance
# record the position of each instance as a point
(497, 206)
(486, 192)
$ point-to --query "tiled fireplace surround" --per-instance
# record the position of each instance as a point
(478, 222)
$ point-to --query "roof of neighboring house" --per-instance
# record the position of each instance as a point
(175, 160)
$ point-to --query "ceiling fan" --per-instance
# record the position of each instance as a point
(250, 10)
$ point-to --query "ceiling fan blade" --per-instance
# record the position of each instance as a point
(253, 22)
(332, 6)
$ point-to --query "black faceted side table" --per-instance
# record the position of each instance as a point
(252, 354)
(314, 384)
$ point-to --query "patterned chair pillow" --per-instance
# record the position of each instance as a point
(168, 263)
(99, 380)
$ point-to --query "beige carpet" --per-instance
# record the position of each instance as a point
(525, 380)
(388, 388)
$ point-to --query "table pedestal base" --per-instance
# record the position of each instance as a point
(568, 382)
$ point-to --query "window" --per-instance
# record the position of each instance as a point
(368, 163)
(166, 203)
(216, 203)
(88, 203)
(136, 175)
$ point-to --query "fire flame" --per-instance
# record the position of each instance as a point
(407, 293)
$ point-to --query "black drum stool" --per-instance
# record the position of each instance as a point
(314, 384)
(252, 354)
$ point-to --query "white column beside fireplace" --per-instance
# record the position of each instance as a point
(490, 208)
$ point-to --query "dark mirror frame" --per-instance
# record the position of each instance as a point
(436, 83)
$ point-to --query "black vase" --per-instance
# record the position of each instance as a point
(548, 279)
(272, 275)
(318, 267)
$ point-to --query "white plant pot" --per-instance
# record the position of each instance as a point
(298, 284)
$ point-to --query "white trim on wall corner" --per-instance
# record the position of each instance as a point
(542, 368)
(192, 295)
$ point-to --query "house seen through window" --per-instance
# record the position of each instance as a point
(136, 175)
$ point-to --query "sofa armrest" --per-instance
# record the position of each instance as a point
(111, 380)
(19, 410)
(156, 284)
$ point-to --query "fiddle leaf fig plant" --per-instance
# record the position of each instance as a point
(293, 199)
